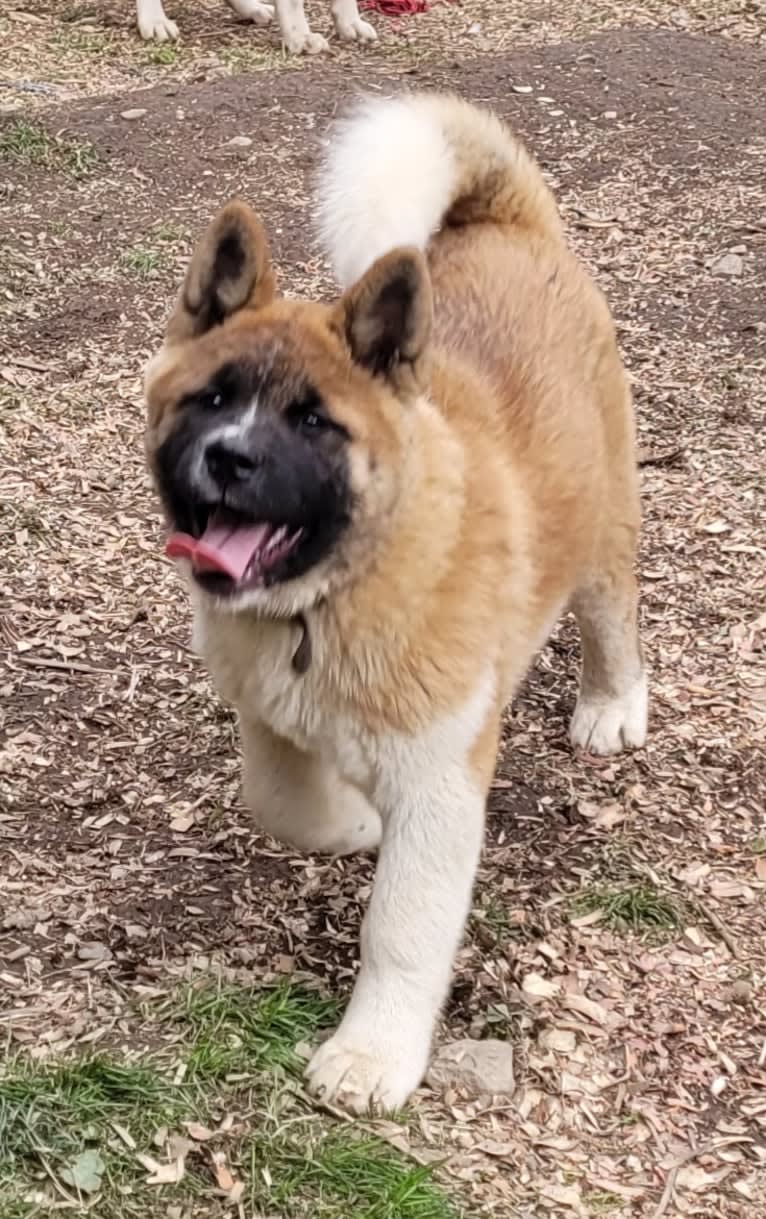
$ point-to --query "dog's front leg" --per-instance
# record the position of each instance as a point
(433, 825)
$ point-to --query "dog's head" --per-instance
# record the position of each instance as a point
(278, 430)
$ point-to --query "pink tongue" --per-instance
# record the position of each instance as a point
(221, 548)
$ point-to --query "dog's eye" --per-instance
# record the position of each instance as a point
(306, 415)
(211, 399)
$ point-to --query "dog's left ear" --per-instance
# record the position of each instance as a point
(230, 270)
(386, 319)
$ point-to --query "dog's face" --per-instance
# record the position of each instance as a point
(278, 430)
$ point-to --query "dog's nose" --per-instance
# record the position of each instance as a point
(228, 462)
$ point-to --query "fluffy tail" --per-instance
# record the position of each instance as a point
(397, 169)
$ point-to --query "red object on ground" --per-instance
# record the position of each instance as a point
(396, 8)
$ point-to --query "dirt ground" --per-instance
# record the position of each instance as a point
(619, 931)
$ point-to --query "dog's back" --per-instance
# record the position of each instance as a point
(512, 306)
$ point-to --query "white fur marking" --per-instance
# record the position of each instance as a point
(363, 211)
(604, 725)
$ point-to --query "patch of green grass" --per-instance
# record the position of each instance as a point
(237, 1031)
(292, 1161)
(501, 1021)
(167, 232)
(142, 260)
(162, 53)
(343, 1172)
(28, 143)
(630, 906)
(602, 1203)
(254, 58)
(50, 1114)
(758, 845)
(73, 39)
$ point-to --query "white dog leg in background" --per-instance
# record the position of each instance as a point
(152, 22)
(296, 35)
(349, 25)
(254, 10)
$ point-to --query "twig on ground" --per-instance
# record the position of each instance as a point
(717, 922)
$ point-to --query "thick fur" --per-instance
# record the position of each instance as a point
(493, 483)
(294, 28)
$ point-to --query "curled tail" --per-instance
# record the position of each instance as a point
(397, 169)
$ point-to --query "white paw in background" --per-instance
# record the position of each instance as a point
(604, 726)
(355, 30)
(362, 1079)
(255, 11)
(305, 44)
(157, 29)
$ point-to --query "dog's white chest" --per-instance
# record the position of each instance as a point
(253, 665)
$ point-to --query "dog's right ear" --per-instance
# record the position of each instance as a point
(230, 270)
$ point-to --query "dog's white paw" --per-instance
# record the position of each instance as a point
(364, 1078)
(308, 43)
(608, 725)
(157, 29)
(355, 30)
(255, 10)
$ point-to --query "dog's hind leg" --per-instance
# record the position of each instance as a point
(349, 26)
(296, 34)
(611, 710)
(253, 10)
(301, 799)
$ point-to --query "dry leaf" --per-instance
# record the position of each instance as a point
(199, 1133)
(84, 1173)
(125, 1135)
(586, 1007)
(537, 987)
(563, 1195)
(162, 1174)
(563, 1041)
(223, 1176)
(182, 823)
(497, 1149)
(694, 873)
(760, 867)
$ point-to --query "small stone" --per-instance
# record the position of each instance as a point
(610, 114)
(93, 950)
(240, 141)
(481, 1068)
(741, 991)
(730, 265)
(133, 114)
(522, 88)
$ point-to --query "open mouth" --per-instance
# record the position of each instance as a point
(233, 555)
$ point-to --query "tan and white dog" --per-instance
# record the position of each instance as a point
(382, 506)
(294, 28)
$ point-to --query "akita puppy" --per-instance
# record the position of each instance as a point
(382, 506)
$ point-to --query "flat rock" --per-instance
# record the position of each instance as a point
(130, 115)
(728, 265)
(478, 1067)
